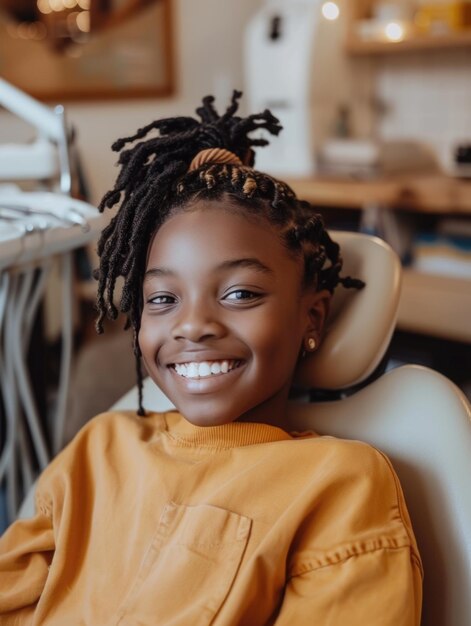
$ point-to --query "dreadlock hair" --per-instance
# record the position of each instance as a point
(154, 183)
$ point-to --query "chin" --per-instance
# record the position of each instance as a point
(207, 415)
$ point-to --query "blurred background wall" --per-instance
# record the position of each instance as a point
(423, 95)
(207, 41)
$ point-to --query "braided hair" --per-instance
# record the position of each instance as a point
(154, 183)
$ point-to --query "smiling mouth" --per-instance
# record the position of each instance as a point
(205, 369)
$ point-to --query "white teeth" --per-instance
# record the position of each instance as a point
(192, 370)
(204, 369)
(180, 368)
(215, 368)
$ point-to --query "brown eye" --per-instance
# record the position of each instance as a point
(241, 294)
(162, 299)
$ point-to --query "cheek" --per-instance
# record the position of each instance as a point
(149, 338)
(278, 335)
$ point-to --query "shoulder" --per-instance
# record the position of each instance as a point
(351, 481)
(108, 435)
(367, 474)
(117, 425)
(347, 459)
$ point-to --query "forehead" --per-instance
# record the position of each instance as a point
(212, 232)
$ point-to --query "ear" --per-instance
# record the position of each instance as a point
(317, 306)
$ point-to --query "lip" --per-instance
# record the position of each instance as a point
(208, 384)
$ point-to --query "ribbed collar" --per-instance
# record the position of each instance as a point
(232, 435)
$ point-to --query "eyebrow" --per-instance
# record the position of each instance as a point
(249, 262)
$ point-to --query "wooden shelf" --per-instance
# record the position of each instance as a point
(357, 46)
(427, 193)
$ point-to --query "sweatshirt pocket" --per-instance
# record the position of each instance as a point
(189, 567)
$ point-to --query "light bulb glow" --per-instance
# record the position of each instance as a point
(56, 5)
(83, 21)
(330, 10)
(394, 31)
(43, 7)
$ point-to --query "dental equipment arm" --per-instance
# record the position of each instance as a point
(39, 160)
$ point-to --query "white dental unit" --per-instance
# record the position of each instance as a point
(292, 51)
(35, 227)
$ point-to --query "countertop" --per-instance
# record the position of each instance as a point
(422, 192)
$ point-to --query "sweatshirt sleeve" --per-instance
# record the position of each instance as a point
(381, 587)
(355, 560)
(26, 551)
(28, 546)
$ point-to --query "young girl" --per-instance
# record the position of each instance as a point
(213, 514)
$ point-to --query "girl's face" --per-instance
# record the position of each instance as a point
(224, 316)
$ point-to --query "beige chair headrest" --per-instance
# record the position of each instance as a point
(360, 323)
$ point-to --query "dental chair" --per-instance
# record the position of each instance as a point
(416, 416)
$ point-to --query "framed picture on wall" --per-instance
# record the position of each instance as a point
(58, 50)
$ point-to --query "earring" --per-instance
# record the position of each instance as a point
(309, 346)
(311, 343)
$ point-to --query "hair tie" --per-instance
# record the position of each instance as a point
(214, 155)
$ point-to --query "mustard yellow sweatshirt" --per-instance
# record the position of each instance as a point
(156, 522)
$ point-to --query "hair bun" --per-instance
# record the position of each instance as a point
(214, 155)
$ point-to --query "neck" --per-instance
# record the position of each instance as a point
(271, 412)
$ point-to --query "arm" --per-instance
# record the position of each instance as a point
(355, 559)
(26, 551)
(381, 587)
(30, 547)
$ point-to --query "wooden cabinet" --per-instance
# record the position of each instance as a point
(361, 40)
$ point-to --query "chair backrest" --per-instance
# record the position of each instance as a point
(360, 323)
(423, 423)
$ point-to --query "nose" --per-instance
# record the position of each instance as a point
(197, 323)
